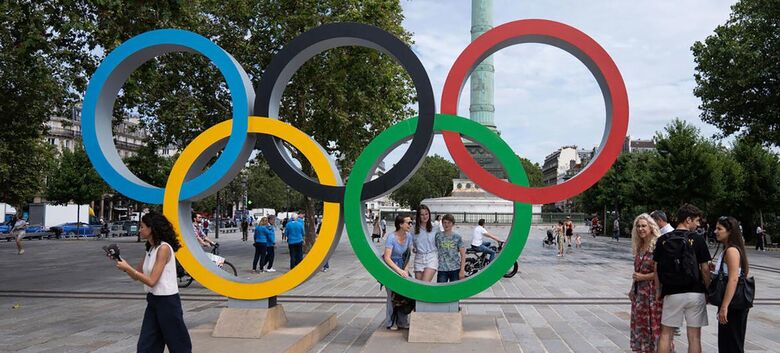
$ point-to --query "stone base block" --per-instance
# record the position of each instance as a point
(302, 332)
(249, 323)
(425, 327)
(480, 335)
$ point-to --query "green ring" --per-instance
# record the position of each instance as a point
(355, 222)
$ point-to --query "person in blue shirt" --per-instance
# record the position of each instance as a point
(294, 233)
(271, 244)
(260, 244)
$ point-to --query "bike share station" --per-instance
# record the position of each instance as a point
(253, 319)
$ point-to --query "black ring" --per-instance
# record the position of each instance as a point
(287, 61)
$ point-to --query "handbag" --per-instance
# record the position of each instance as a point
(743, 295)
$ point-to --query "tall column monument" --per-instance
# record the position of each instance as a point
(481, 108)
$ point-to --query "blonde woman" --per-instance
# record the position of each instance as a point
(645, 309)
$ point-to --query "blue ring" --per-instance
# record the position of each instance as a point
(102, 92)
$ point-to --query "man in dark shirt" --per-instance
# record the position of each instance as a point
(684, 301)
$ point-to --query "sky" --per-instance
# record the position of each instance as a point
(544, 97)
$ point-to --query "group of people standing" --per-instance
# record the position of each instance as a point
(672, 268)
(265, 242)
(438, 250)
(564, 232)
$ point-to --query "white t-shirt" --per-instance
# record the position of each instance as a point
(759, 230)
(19, 227)
(476, 239)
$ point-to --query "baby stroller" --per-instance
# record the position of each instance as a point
(550, 238)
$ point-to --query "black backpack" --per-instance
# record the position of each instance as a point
(678, 266)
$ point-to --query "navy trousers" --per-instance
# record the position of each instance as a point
(163, 325)
(296, 254)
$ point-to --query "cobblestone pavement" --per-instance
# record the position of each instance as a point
(65, 296)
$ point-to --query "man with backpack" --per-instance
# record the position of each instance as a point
(682, 276)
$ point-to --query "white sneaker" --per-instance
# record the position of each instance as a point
(21, 251)
(270, 270)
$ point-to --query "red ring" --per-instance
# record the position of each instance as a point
(576, 42)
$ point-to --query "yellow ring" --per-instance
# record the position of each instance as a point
(325, 239)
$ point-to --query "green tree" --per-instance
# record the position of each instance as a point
(534, 172)
(41, 69)
(343, 97)
(737, 70)
(267, 190)
(759, 188)
(433, 179)
(687, 170)
(75, 180)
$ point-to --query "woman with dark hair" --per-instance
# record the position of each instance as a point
(437, 223)
(426, 257)
(396, 246)
(163, 323)
(733, 322)
(377, 232)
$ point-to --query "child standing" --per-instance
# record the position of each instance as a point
(451, 252)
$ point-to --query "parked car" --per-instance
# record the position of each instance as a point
(75, 228)
(124, 228)
(116, 229)
(32, 232)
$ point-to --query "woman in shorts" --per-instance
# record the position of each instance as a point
(426, 258)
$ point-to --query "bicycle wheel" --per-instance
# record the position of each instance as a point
(512, 271)
(184, 281)
(229, 268)
(472, 265)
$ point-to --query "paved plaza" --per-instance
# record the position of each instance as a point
(65, 296)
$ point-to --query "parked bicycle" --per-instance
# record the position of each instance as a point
(184, 279)
(476, 261)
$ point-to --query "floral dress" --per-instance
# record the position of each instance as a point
(645, 309)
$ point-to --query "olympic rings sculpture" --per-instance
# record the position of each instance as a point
(343, 204)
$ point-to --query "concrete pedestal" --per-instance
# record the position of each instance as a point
(246, 325)
(249, 323)
(302, 332)
(480, 335)
(435, 327)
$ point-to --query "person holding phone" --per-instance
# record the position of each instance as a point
(163, 323)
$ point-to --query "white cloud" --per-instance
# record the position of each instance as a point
(545, 97)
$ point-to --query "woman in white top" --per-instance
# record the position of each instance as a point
(163, 323)
(426, 257)
(732, 322)
(18, 231)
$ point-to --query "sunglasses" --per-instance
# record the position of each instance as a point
(409, 222)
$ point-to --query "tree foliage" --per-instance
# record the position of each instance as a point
(738, 72)
(433, 179)
(741, 181)
(75, 180)
(41, 71)
(534, 172)
(267, 190)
